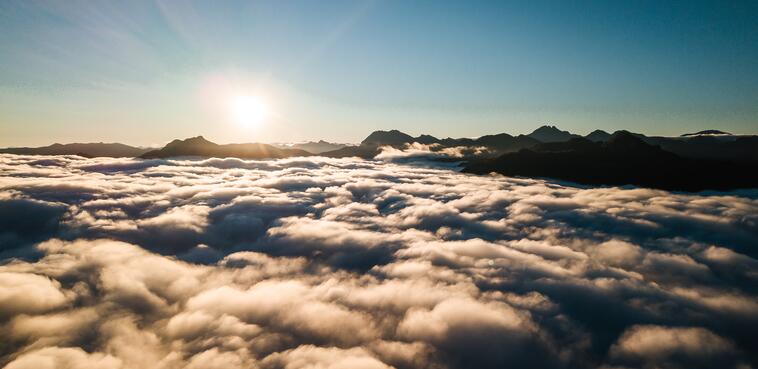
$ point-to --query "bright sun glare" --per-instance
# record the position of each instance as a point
(248, 111)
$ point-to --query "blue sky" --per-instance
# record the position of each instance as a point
(145, 72)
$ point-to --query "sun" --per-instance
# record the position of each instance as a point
(248, 111)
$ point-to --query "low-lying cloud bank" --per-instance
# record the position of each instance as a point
(417, 150)
(343, 263)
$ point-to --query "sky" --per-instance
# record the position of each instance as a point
(146, 72)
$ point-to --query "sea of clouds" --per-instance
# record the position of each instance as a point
(345, 263)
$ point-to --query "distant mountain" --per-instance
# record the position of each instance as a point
(393, 137)
(724, 147)
(551, 134)
(598, 135)
(314, 147)
(370, 146)
(711, 132)
(452, 142)
(199, 146)
(365, 151)
(504, 142)
(426, 139)
(709, 144)
(115, 150)
(493, 144)
(624, 159)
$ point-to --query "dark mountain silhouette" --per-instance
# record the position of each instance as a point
(707, 132)
(709, 147)
(710, 144)
(738, 148)
(115, 150)
(551, 134)
(396, 138)
(393, 137)
(452, 142)
(426, 139)
(365, 151)
(624, 159)
(504, 142)
(370, 146)
(314, 147)
(199, 146)
(494, 144)
(700, 145)
(598, 135)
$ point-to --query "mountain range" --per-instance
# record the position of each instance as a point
(492, 144)
(708, 159)
(623, 159)
(313, 147)
(707, 132)
(551, 134)
(90, 150)
(704, 144)
(199, 146)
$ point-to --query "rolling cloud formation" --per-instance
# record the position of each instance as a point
(345, 263)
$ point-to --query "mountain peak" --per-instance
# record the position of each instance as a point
(707, 132)
(547, 128)
(199, 146)
(548, 133)
(625, 140)
(598, 135)
(392, 137)
(196, 139)
(426, 139)
(192, 141)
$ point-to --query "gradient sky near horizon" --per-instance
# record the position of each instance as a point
(146, 72)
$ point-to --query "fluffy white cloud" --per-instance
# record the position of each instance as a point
(64, 357)
(656, 346)
(28, 293)
(345, 263)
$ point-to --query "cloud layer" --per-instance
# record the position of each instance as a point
(345, 263)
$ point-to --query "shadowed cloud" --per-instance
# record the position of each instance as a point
(331, 263)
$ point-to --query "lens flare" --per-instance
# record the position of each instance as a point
(248, 111)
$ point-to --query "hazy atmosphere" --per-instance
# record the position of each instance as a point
(378, 184)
